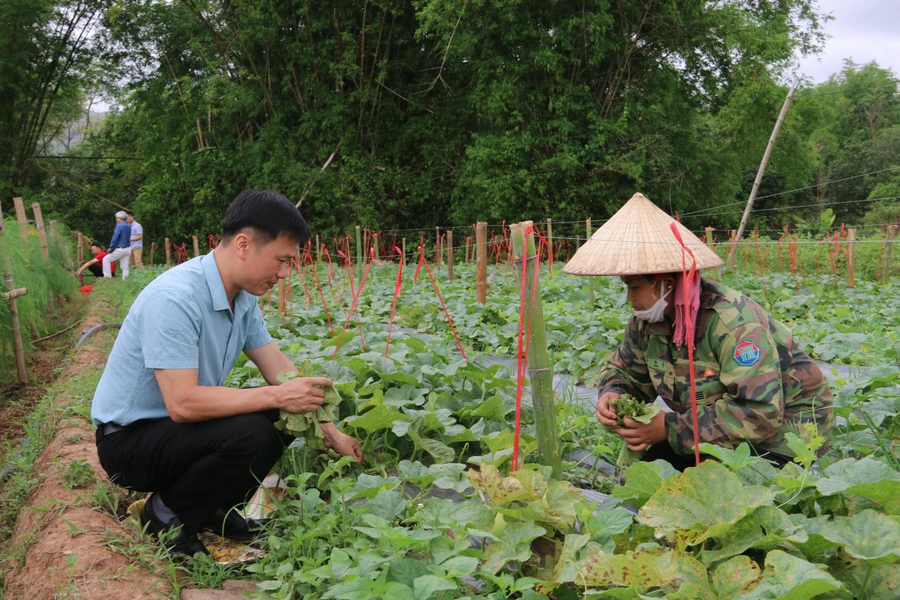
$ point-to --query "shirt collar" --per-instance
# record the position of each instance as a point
(214, 281)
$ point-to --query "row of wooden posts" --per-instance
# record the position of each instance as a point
(14, 292)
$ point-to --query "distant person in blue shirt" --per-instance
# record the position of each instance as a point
(165, 423)
(119, 246)
(137, 241)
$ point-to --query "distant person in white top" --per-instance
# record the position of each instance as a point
(137, 244)
(119, 246)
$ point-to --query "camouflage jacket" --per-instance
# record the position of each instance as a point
(754, 383)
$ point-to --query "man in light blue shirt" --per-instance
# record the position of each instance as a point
(137, 241)
(165, 423)
(119, 247)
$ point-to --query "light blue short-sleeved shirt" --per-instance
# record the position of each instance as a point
(182, 320)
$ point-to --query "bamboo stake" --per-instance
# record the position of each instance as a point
(714, 273)
(168, 254)
(152, 251)
(851, 253)
(437, 248)
(22, 218)
(19, 347)
(80, 249)
(886, 259)
(588, 232)
(450, 255)
(481, 262)
(318, 250)
(760, 172)
(550, 244)
(196, 245)
(375, 246)
(403, 252)
(539, 366)
(359, 250)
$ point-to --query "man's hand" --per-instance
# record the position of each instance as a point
(341, 442)
(639, 436)
(303, 394)
(605, 414)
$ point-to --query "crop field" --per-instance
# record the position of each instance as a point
(434, 511)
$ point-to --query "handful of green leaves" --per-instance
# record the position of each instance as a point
(629, 406)
(306, 425)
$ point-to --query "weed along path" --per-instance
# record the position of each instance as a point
(67, 541)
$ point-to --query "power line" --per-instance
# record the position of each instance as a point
(92, 157)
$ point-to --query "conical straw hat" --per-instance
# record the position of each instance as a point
(638, 240)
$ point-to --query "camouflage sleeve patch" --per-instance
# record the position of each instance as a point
(626, 371)
(752, 408)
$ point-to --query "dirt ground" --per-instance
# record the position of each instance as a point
(65, 540)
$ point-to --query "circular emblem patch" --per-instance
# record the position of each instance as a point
(746, 353)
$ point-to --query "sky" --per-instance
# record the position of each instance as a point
(863, 30)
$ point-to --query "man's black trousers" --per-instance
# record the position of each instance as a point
(195, 467)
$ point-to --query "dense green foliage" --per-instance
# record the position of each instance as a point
(41, 277)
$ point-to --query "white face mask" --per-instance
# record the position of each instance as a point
(657, 312)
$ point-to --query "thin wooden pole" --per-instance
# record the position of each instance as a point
(281, 298)
(152, 251)
(759, 174)
(481, 262)
(318, 250)
(375, 246)
(886, 259)
(712, 246)
(539, 366)
(196, 244)
(80, 249)
(19, 347)
(437, 248)
(359, 250)
(851, 254)
(168, 254)
(403, 251)
(450, 252)
(550, 244)
(22, 218)
(588, 232)
(42, 233)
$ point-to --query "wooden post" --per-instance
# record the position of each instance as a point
(481, 262)
(22, 218)
(450, 255)
(712, 246)
(281, 298)
(359, 250)
(10, 295)
(152, 250)
(375, 246)
(550, 244)
(437, 248)
(42, 233)
(886, 258)
(851, 245)
(588, 232)
(403, 251)
(318, 250)
(168, 254)
(80, 249)
(196, 246)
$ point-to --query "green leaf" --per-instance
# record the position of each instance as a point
(439, 451)
(406, 570)
(735, 576)
(868, 477)
(642, 480)
(439, 512)
(377, 419)
(764, 528)
(868, 536)
(387, 504)
(426, 586)
(789, 578)
(492, 408)
(702, 502)
(610, 522)
(514, 545)
(651, 567)
(733, 459)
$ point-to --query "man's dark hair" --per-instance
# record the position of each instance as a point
(96, 244)
(267, 214)
(129, 213)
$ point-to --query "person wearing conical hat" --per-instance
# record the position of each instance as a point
(753, 382)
